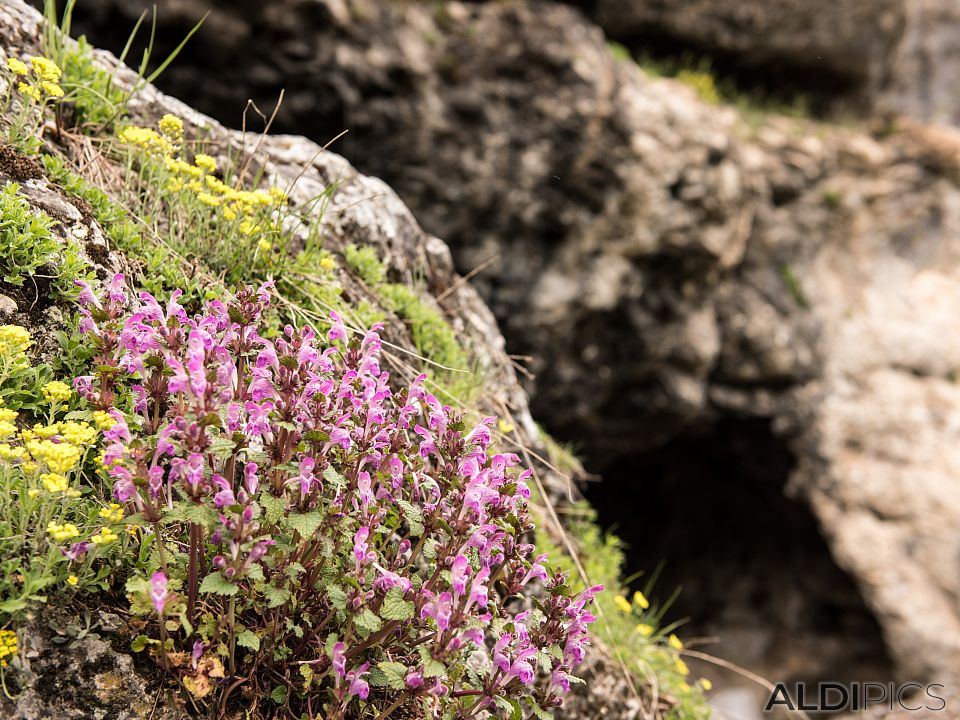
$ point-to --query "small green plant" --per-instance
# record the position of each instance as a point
(56, 532)
(28, 246)
(365, 263)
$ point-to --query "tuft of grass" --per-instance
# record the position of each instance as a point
(29, 249)
(630, 625)
(365, 263)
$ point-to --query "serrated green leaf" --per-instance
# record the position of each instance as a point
(395, 607)
(541, 713)
(248, 639)
(431, 668)
(304, 523)
(191, 512)
(273, 507)
(366, 622)
(216, 583)
(279, 694)
(509, 705)
(334, 480)
(275, 596)
(394, 674)
(413, 516)
(139, 643)
(336, 596)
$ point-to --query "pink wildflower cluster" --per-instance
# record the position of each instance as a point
(364, 537)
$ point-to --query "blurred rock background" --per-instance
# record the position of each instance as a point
(725, 239)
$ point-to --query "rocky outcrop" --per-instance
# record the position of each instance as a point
(667, 265)
(895, 56)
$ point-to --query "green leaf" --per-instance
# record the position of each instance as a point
(336, 596)
(273, 507)
(395, 607)
(394, 675)
(276, 596)
(334, 479)
(431, 668)
(248, 639)
(366, 622)
(541, 713)
(139, 643)
(218, 584)
(413, 516)
(304, 523)
(191, 512)
(279, 694)
(510, 705)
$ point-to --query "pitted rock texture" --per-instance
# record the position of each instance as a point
(666, 263)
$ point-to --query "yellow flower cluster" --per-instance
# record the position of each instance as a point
(8, 646)
(113, 513)
(59, 532)
(41, 78)
(103, 420)
(14, 343)
(54, 483)
(60, 457)
(56, 392)
(152, 142)
(171, 127)
(104, 537)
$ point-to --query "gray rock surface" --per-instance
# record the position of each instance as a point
(897, 56)
(667, 263)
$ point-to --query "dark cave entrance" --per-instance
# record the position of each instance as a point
(754, 570)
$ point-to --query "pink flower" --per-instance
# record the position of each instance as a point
(159, 595)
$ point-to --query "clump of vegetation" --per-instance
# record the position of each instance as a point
(58, 535)
(336, 536)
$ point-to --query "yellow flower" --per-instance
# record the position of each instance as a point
(59, 532)
(56, 392)
(31, 91)
(60, 457)
(104, 537)
(132, 530)
(149, 140)
(682, 667)
(171, 126)
(46, 431)
(506, 428)
(264, 245)
(28, 467)
(33, 492)
(7, 429)
(705, 684)
(45, 69)
(114, 513)
(674, 642)
(14, 342)
(277, 195)
(52, 89)
(645, 630)
(327, 263)
(8, 415)
(249, 228)
(174, 185)
(72, 580)
(54, 483)
(640, 600)
(229, 213)
(205, 162)
(208, 199)
(77, 433)
(621, 602)
(17, 67)
(103, 420)
(11, 452)
(216, 184)
(8, 646)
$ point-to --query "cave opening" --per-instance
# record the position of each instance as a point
(757, 580)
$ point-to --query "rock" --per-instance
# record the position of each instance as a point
(871, 56)
(671, 270)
